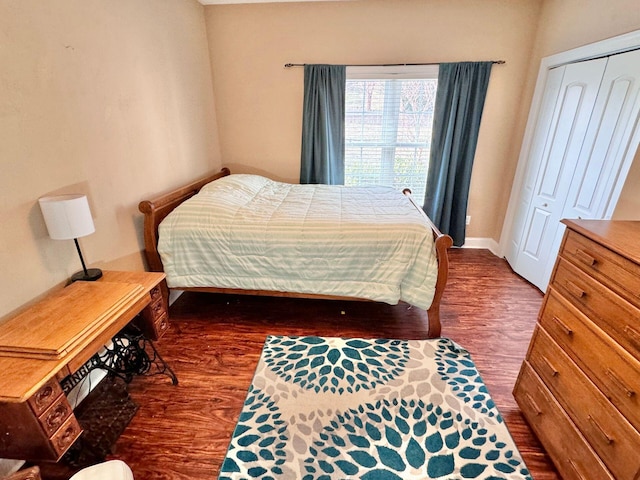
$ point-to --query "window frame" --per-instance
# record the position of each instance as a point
(391, 72)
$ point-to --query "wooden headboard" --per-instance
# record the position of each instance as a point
(155, 210)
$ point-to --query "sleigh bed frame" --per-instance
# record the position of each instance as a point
(156, 209)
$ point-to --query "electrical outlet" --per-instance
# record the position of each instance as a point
(468, 219)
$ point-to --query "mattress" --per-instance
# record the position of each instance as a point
(249, 232)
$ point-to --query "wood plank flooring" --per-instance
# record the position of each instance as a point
(182, 432)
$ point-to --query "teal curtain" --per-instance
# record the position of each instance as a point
(322, 159)
(462, 88)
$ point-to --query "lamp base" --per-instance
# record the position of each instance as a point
(92, 275)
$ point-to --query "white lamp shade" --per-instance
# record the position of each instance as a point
(67, 216)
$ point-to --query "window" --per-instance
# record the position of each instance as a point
(388, 123)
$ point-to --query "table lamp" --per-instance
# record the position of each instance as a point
(67, 217)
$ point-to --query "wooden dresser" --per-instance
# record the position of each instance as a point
(579, 386)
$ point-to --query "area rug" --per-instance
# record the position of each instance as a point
(336, 408)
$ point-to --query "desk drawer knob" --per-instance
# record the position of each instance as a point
(43, 397)
(57, 416)
(163, 324)
(156, 293)
(158, 308)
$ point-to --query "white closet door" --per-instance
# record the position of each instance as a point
(608, 139)
(551, 168)
(543, 125)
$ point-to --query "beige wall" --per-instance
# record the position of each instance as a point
(569, 24)
(114, 99)
(259, 102)
(108, 98)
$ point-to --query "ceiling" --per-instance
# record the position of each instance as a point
(224, 2)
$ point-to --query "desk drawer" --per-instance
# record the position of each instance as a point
(154, 320)
(162, 324)
(53, 417)
(607, 431)
(44, 397)
(620, 274)
(609, 366)
(570, 452)
(66, 435)
(608, 310)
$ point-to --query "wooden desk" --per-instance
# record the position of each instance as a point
(51, 340)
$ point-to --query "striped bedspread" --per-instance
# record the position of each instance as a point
(249, 232)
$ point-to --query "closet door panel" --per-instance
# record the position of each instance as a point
(608, 138)
(556, 165)
(545, 116)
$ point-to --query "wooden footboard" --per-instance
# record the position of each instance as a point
(155, 210)
(443, 243)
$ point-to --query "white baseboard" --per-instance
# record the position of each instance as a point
(486, 243)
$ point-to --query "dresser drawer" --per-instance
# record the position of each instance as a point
(610, 367)
(607, 431)
(609, 311)
(620, 274)
(570, 452)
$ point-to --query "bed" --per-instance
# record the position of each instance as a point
(247, 234)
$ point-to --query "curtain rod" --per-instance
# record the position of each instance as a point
(289, 65)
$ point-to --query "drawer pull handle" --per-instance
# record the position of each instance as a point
(585, 258)
(554, 371)
(600, 430)
(57, 416)
(158, 308)
(563, 326)
(155, 292)
(532, 402)
(43, 395)
(576, 470)
(575, 290)
(633, 334)
(620, 383)
(67, 437)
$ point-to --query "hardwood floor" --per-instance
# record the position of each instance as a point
(182, 432)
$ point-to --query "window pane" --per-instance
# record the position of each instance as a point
(388, 133)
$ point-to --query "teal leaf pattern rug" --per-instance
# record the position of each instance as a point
(327, 408)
